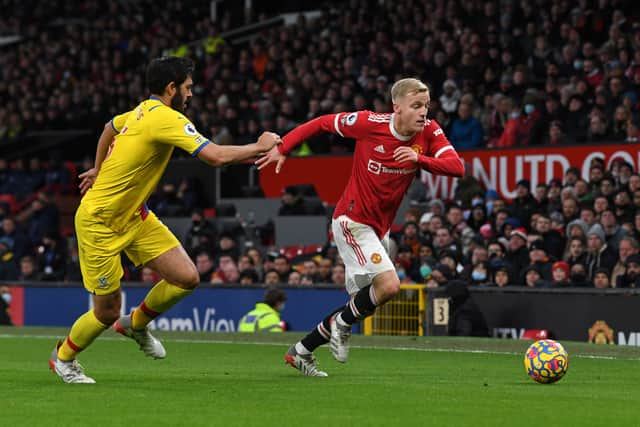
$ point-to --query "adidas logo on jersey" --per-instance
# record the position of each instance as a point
(379, 149)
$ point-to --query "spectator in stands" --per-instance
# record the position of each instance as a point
(560, 272)
(517, 256)
(553, 240)
(21, 243)
(201, 234)
(612, 231)
(501, 277)
(205, 266)
(256, 257)
(524, 203)
(631, 278)
(325, 267)
(601, 278)
(292, 202)
(576, 251)
(633, 130)
(622, 206)
(310, 268)
(579, 277)
(466, 131)
(227, 271)
(8, 264)
(271, 277)
(227, 246)
(450, 97)
(28, 269)
(532, 277)
(570, 210)
(540, 259)
(40, 217)
(248, 277)
(337, 275)
(282, 266)
(627, 247)
(51, 257)
(599, 254)
(294, 278)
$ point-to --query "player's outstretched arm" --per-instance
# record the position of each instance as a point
(219, 155)
(87, 178)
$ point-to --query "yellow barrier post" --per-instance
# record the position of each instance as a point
(404, 315)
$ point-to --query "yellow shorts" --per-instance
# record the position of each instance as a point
(99, 248)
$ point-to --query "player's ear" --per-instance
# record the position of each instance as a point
(396, 108)
(171, 89)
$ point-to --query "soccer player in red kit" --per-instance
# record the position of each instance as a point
(389, 150)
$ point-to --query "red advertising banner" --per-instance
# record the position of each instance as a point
(500, 170)
(495, 169)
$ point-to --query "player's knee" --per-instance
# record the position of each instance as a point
(107, 316)
(392, 287)
(191, 279)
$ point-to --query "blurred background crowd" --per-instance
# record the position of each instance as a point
(501, 73)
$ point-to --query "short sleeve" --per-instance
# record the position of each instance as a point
(178, 131)
(351, 125)
(117, 123)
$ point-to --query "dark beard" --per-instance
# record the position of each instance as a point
(177, 102)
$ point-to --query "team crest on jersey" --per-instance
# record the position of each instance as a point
(417, 149)
(376, 258)
(103, 283)
(190, 130)
(349, 119)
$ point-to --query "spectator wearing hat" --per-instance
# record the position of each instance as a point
(560, 272)
(500, 276)
(440, 276)
(450, 97)
(601, 279)
(532, 278)
(201, 234)
(627, 247)
(599, 254)
(8, 264)
(292, 202)
(631, 278)
(517, 254)
(524, 203)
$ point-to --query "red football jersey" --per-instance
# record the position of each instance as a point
(378, 183)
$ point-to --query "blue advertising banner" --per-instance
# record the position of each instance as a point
(207, 309)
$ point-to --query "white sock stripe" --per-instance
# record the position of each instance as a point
(354, 309)
(372, 295)
(325, 334)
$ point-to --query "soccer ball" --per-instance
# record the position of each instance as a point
(546, 361)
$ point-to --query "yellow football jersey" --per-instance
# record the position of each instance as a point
(137, 159)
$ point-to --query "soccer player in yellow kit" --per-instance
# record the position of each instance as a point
(133, 152)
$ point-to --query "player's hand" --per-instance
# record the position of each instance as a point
(267, 141)
(405, 154)
(87, 180)
(273, 156)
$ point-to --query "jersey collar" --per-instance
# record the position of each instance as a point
(154, 98)
(395, 133)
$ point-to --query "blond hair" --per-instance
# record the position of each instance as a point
(404, 87)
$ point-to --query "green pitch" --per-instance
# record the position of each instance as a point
(241, 380)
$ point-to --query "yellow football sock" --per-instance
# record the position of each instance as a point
(160, 298)
(82, 333)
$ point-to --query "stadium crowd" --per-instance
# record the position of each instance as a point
(501, 73)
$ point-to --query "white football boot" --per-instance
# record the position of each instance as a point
(70, 372)
(339, 341)
(305, 363)
(149, 344)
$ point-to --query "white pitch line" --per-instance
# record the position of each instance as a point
(364, 347)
